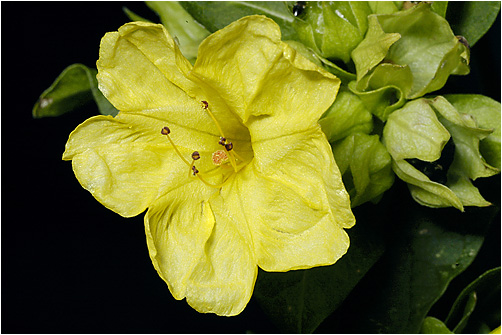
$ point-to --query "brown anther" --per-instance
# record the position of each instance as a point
(229, 146)
(195, 155)
(205, 104)
(165, 131)
(222, 141)
(195, 171)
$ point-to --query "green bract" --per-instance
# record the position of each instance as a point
(412, 51)
(365, 165)
(346, 116)
(262, 188)
(420, 130)
(333, 28)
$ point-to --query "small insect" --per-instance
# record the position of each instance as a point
(299, 7)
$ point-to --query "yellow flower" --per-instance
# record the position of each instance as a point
(226, 155)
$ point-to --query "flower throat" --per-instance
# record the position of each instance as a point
(219, 157)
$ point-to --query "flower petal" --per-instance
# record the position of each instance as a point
(177, 227)
(295, 203)
(126, 163)
(258, 75)
(140, 67)
(141, 70)
(199, 250)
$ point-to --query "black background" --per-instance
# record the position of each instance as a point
(69, 265)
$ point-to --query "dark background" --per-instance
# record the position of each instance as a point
(69, 265)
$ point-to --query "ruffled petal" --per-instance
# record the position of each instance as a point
(140, 67)
(178, 225)
(262, 79)
(126, 163)
(141, 70)
(202, 250)
(294, 203)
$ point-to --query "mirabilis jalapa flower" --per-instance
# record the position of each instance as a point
(227, 156)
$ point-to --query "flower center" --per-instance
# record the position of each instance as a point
(224, 156)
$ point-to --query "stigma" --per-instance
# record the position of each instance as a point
(219, 157)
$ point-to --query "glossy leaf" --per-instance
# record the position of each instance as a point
(181, 25)
(481, 290)
(215, 15)
(73, 88)
(298, 301)
(427, 249)
(472, 19)
(432, 325)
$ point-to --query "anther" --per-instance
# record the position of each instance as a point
(165, 131)
(195, 155)
(194, 169)
(229, 146)
(205, 104)
(222, 141)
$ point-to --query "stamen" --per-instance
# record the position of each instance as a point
(205, 104)
(194, 169)
(196, 156)
(222, 141)
(214, 119)
(166, 131)
(211, 185)
(229, 146)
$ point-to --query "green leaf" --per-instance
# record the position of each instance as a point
(373, 49)
(432, 325)
(486, 111)
(181, 25)
(380, 102)
(385, 7)
(472, 19)
(298, 301)
(440, 7)
(347, 115)
(74, 87)
(479, 292)
(365, 166)
(214, 15)
(420, 130)
(427, 46)
(414, 131)
(333, 28)
(133, 16)
(425, 191)
(342, 74)
(427, 249)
